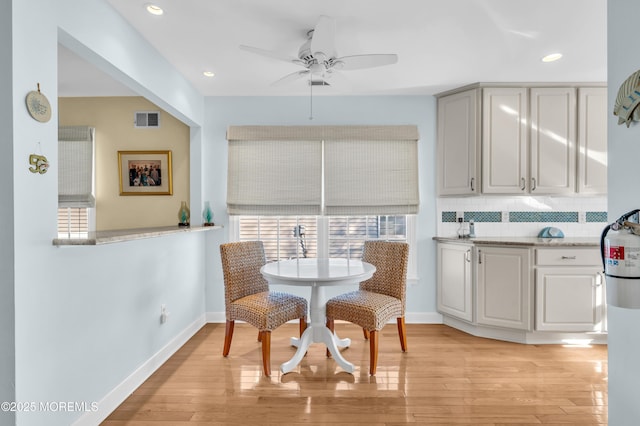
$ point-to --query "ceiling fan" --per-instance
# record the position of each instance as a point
(318, 56)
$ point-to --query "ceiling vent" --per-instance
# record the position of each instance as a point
(147, 119)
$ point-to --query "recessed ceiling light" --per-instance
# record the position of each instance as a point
(552, 57)
(208, 74)
(154, 10)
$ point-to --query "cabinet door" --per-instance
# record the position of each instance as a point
(457, 140)
(569, 299)
(553, 140)
(592, 140)
(454, 280)
(504, 140)
(504, 287)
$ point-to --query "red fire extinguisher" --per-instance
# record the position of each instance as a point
(621, 261)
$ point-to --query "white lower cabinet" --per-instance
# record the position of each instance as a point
(525, 294)
(454, 275)
(504, 287)
(570, 297)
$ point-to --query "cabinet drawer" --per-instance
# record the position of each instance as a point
(568, 257)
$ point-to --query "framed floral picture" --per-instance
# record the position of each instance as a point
(145, 172)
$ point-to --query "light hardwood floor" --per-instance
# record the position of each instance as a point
(446, 377)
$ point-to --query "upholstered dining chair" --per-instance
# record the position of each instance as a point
(379, 299)
(247, 297)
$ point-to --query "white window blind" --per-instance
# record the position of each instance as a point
(277, 170)
(75, 171)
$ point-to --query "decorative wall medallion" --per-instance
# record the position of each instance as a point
(39, 164)
(38, 106)
(628, 99)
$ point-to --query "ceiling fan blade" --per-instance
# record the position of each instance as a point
(357, 62)
(271, 54)
(323, 39)
(290, 77)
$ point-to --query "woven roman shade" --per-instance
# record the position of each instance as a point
(75, 171)
(371, 177)
(269, 174)
(277, 170)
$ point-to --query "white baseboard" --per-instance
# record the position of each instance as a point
(121, 392)
(409, 317)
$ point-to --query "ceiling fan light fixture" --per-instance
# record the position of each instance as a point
(208, 73)
(552, 57)
(154, 9)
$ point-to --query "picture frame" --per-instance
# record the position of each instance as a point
(145, 173)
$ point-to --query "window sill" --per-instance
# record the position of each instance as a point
(122, 235)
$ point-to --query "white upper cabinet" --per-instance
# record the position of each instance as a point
(533, 139)
(592, 140)
(458, 121)
(553, 140)
(504, 140)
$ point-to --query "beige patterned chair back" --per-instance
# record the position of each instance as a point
(390, 260)
(241, 263)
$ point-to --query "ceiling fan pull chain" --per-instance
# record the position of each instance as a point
(310, 98)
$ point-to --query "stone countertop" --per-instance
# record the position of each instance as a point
(526, 241)
(121, 235)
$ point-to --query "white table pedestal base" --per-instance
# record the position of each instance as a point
(317, 332)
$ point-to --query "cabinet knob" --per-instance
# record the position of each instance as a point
(467, 256)
(568, 258)
(533, 184)
(473, 186)
(523, 181)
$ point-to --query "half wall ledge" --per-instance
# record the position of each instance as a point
(122, 235)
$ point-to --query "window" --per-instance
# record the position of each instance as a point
(289, 237)
(76, 201)
(322, 191)
(73, 222)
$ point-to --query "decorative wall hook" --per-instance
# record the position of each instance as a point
(39, 164)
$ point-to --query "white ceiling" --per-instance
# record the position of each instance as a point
(440, 44)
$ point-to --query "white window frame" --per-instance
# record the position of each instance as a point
(323, 238)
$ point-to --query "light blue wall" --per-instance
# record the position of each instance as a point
(221, 112)
(7, 309)
(624, 196)
(86, 319)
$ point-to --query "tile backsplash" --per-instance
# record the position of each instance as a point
(523, 216)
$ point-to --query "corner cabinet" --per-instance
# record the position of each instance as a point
(454, 280)
(458, 149)
(536, 291)
(504, 287)
(533, 139)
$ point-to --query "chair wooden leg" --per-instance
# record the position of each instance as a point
(331, 326)
(365, 333)
(228, 334)
(373, 351)
(266, 352)
(402, 332)
(259, 336)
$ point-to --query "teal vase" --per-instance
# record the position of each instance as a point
(207, 214)
(184, 214)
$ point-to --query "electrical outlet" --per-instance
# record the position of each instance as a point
(459, 216)
(164, 315)
(582, 217)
